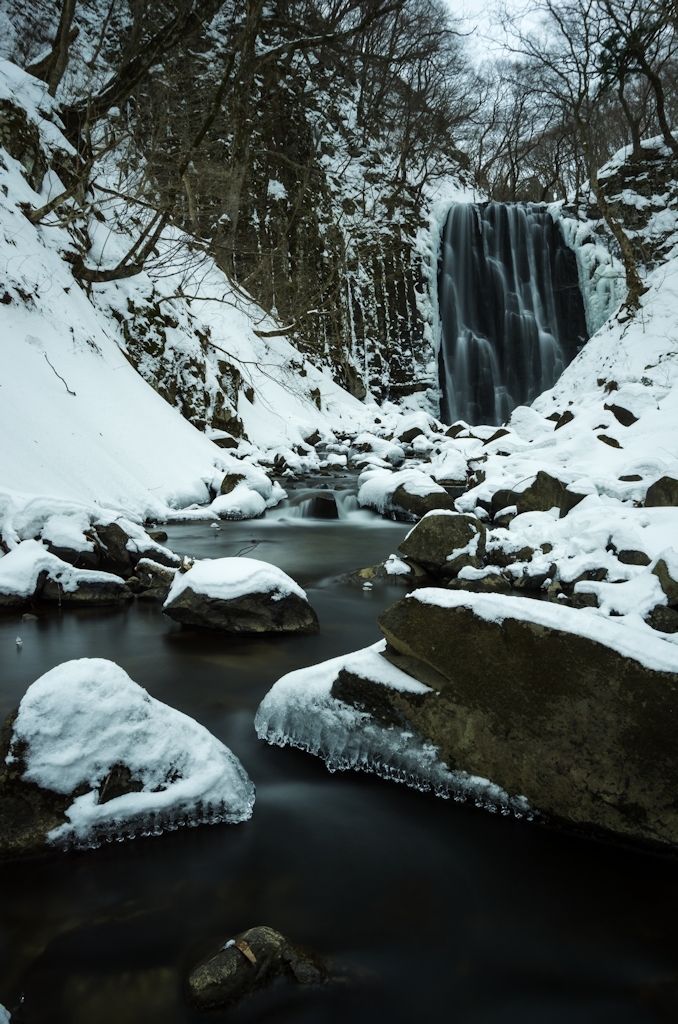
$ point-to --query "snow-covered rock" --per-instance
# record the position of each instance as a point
(239, 595)
(407, 493)
(92, 756)
(445, 541)
(30, 572)
(569, 712)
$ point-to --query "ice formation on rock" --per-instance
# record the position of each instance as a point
(300, 711)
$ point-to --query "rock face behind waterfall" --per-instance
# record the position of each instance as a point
(511, 310)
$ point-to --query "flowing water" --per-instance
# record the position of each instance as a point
(428, 910)
(511, 311)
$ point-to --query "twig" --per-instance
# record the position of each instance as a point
(248, 547)
(60, 377)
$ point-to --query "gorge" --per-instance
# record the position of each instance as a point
(338, 506)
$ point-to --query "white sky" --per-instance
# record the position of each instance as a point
(482, 20)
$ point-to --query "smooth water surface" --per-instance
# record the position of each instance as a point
(428, 910)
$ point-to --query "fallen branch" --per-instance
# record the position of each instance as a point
(60, 377)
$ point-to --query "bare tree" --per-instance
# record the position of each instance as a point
(565, 54)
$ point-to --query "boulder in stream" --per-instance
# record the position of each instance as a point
(574, 712)
(248, 962)
(239, 595)
(517, 704)
(406, 494)
(153, 580)
(89, 756)
(30, 573)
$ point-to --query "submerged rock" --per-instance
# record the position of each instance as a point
(321, 505)
(392, 570)
(248, 962)
(89, 755)
(239, 595)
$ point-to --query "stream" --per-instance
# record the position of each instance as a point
(429, 910)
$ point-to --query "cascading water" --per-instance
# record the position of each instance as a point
(511, 309)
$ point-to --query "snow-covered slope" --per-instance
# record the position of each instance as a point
(619, 406)
(77, 421)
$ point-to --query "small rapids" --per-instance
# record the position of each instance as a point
(322, 504)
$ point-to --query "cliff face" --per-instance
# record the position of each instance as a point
(328, 236)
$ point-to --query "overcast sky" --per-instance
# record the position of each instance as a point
(482, 20)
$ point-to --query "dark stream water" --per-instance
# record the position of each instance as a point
(428, 910)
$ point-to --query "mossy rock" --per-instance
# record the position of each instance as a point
(436, 537)
(586, 735)
(248, 962)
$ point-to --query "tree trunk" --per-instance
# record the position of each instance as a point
(633, 125)
(51, 69)
(658, 89)
(634, 285)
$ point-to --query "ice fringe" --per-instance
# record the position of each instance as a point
(144, 826)
(300, 711)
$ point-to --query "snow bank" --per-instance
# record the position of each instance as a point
(228, 578)
(300, 711)
(85, 718)
(79, 422)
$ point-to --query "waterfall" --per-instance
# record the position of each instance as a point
(511, 310)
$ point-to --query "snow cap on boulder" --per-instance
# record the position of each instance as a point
(239, 595)
(125, 762)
